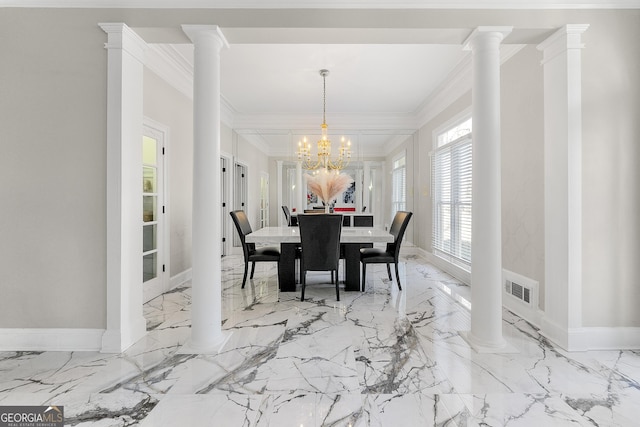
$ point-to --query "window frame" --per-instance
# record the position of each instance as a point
(458, 147)
(399, 201)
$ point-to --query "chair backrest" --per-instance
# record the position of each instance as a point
(287, 215)
(244, 227)
(363, 221)
(320, 238)
(398, 227)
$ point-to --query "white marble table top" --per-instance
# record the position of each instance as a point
(292, 235)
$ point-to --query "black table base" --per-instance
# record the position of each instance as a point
(287, 266)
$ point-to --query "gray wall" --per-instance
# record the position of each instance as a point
(52, 172)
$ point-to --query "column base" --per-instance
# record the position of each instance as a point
(214, 347)
(480, 347)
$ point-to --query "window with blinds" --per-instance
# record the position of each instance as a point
(399, 180)
(451, 169)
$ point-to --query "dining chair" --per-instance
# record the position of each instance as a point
(287, 215)
(363, 221)
(392, 251)
(320, 238)
(251, 253)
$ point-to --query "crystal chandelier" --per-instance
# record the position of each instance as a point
(324, 144)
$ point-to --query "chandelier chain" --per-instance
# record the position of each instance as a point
(324, 159)
(324, 98)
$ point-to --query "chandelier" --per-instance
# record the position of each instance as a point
(324, 159)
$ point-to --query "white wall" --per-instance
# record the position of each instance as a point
(611, 177)
(171, 108)
(53, 140)
(256, 162)
(522, 151)
(422, 176)
(408, 147)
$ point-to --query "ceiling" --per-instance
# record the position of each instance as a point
(274, 92)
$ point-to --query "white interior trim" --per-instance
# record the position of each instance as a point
(332, 4)
(50, 339)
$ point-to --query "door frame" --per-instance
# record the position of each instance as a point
(154, 128)
(227, 198)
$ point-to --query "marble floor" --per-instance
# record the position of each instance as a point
(379, 358)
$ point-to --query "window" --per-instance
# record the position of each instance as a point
(399, 179)
(451, 169)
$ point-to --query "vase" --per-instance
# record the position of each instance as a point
(326, 209)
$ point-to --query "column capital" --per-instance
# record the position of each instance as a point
(486, 31)
(196, 31)
(567, 37)
(120, 36)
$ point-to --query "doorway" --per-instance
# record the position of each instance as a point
(153, 213)
(240, 189)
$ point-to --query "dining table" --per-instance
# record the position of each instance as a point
(351, 240)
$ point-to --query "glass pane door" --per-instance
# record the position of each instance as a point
(149, 208)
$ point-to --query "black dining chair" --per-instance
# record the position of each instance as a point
(392, 251)
(251, 253)
(320, 238)
(287, 215)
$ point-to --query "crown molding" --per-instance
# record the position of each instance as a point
(457, 83)
(326, 4)
(165, 61)
(170, 65)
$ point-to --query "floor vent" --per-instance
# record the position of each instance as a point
(521, 288)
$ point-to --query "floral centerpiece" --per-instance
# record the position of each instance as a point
(328, 185)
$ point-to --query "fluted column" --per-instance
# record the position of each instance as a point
(206, 304)
(486, 249)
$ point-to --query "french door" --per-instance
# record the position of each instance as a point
(153, 209)
(240, 190)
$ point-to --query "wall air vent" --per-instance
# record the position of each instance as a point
(520, 288)
(518, 291)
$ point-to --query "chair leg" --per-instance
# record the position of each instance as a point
(300, 268)
(244, 278)
(303, 279)
(253, 269)
(398, 277)
(388, 272)
(337, 286)
(364, 275)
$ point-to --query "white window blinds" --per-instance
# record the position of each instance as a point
(452, 200)
(399, 180)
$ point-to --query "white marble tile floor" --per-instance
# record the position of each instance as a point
(380, 358)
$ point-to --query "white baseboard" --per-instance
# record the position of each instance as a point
(180, 279)
(576, 339)
(50, 339)
(603, 338)
(592, 338)
(447, 267)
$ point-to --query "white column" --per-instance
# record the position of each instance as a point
(206, 304)
(563, 186)
(486, 249)
(125, 65)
